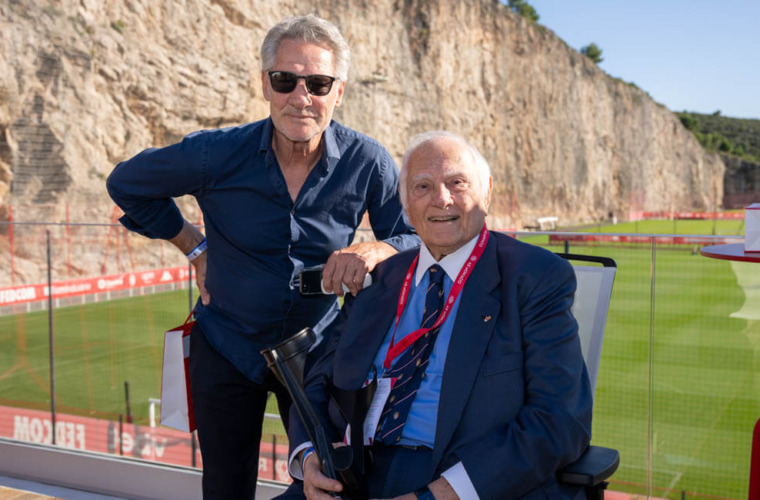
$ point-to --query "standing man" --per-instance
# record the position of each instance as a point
(481, 384)
(277, 195)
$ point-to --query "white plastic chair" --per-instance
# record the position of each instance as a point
(592, 301)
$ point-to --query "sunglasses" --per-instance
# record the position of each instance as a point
(285, 82)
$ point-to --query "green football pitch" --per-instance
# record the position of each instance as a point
(677, 391)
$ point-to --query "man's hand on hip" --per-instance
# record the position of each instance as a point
(188, 238)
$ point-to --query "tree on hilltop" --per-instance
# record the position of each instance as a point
(524, 9)
(593, 52)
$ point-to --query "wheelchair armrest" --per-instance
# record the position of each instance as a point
(595, 465)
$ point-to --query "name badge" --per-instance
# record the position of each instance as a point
(384, 386)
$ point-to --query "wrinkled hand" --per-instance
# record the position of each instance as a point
(350, 265)
(200, 277)
(317, 486)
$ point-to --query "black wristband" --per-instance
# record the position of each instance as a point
(424, 493)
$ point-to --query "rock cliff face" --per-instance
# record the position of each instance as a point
(87, 83)
(741, 182)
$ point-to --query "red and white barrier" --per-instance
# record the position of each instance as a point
(159, 444)
(621, 238)
(71, 288)
(686, 215)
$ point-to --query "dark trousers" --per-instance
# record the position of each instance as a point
(229, 412)
(396, 470)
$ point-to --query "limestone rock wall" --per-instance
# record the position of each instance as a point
(87, 83)
(741, 182)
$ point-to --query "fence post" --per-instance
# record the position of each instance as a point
(68, 242)
(127, 402)
(50, 337)
(121, 434)
(10, 241)
(194, 448)
(274, 457)
(650, 402)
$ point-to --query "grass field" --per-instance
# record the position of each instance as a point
(677, 391)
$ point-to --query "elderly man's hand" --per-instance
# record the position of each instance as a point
(350, 265)
(317, 486)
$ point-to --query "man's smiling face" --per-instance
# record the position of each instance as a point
(445, 200)
(299, 116)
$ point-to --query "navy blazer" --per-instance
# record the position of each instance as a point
(515, 401)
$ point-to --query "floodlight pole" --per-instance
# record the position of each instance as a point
(50, 339)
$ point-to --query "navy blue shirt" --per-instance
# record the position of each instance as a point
(258, 239)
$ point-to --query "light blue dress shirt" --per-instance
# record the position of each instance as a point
(420, 426)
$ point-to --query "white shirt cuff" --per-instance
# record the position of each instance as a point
(294, 465)
(460, 481)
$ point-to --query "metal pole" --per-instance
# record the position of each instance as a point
(127, 402)
(650, 409)
(274, 457)
(121, 435)
(10, 241)
(194, 448)
(50, 337)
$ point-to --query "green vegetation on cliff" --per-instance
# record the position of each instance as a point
(735, 136)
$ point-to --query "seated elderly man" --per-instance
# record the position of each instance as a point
(481, 384)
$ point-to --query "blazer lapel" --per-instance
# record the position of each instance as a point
(369, 320)
(476, 317)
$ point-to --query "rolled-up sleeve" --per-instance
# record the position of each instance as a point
(143, 186)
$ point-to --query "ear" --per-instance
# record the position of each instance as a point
(341, 89)
(265, 84)
(490, 190)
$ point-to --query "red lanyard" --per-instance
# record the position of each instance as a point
(394, 350)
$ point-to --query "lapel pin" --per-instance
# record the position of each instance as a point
(486, 319)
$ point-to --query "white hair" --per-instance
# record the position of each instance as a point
(481, 165)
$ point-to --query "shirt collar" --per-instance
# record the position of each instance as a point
(452, 263)
(266, 136)
(330, 149)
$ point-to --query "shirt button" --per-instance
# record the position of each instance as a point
(419, 362)
(395, 416)
(400, 375)
(392, 399)
(398, 438)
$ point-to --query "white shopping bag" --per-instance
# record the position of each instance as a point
(176, 403)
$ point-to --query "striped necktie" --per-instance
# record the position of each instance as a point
(409, 370)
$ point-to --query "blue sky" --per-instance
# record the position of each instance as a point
(690, 55)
